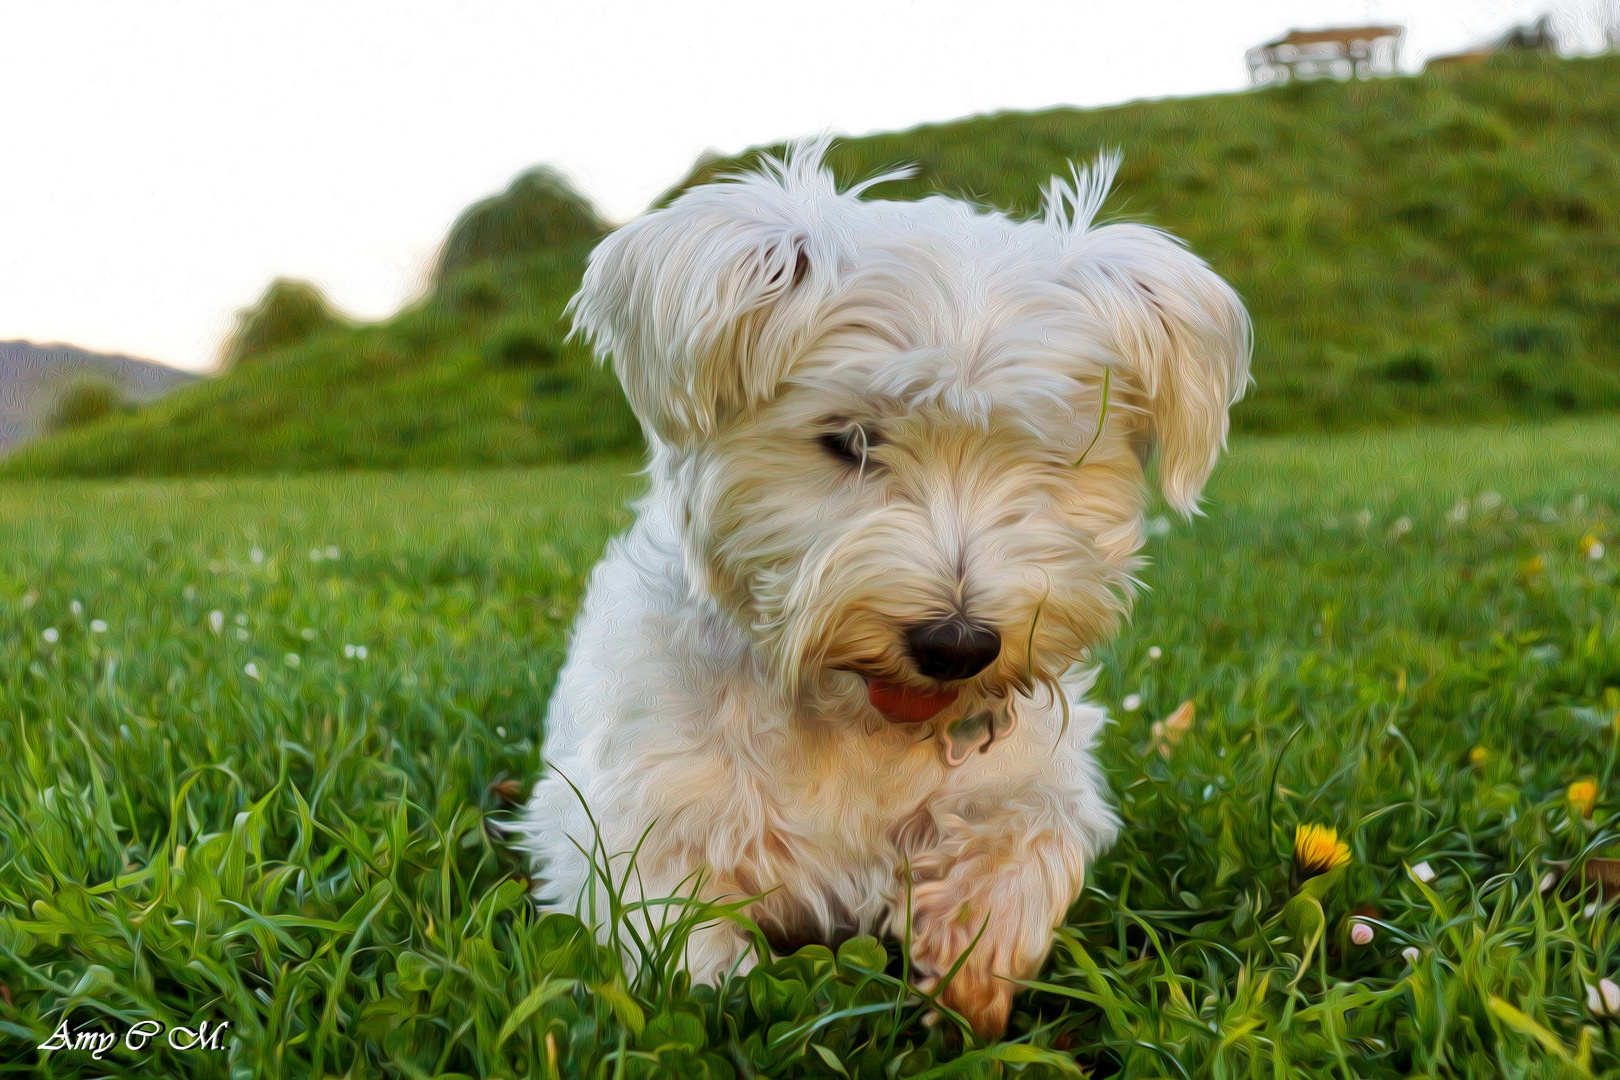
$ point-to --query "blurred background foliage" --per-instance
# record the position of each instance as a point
(1434, 248)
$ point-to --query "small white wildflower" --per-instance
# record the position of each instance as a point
(1594, 1000)
(307, 633)
(215, 566)
(1459, 513)
(315, 555)
(1402, 526)
(1423, 872)
(1611, 994)
(1595, 552)
(292, 660)
(1361, 933)
(123, 729)
(97, 626)
(1363, 517)
(348, 651)
(360, 652)
(1489, 500)
(1411, 955)
(1132, 702)
(1548, 880)
(333, 553)
(189, 592)
(216, 621)
(501, 732)
(240, 620)
(1158, 526)
(30, 598)
(257, 556)
(1590, 909)
(50, 635)
(241, 634)
(252, 670)
(1154, 652)
(77, 609)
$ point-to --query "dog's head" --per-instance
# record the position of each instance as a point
(878, 422)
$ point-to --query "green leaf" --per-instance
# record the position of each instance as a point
(534, 1001)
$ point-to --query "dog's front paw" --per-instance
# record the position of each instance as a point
(946, 920)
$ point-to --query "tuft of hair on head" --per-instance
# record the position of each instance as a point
(1071, 206)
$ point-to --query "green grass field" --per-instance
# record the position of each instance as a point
(257, 735)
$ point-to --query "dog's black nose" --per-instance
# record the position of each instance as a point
(952, 648)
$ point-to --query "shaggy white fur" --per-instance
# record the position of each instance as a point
(841, 638)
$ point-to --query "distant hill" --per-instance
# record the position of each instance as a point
(31, 377)
(1443, 247)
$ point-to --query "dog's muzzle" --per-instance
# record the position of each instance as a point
(952, 648)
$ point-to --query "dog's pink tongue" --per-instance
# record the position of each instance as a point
(904, 705)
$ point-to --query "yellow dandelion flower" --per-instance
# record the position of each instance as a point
(1479, 755)
(1582, 795)
(1317, 849)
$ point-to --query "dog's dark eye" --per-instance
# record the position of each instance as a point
(849, 445)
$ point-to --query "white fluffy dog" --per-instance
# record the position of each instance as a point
(838, 646)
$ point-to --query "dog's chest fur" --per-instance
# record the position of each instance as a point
(660, 716)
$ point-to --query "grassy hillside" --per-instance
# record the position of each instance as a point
(1442, 247)
(476, 374)
(256, 735)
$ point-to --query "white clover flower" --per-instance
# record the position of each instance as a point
(1411, 955)
(1402, 526)
(307, 633)
(333, 553)
(1361, 933)
(360, 652)
(50, 635)
(501, 732)
(216, 621)
(240, 620)
(1459, 513)
(1154, 652)
(252, 670)
(1132, 702)
(292, 660)
(189, 592)
(256, 556)
(241, 635)
(1595, 551)
(1423, 872)
(1489, 500)
(77, 609)
(314, 554)
(97, 626)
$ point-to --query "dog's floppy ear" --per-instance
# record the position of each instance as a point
(1178, 330)
(705, 304)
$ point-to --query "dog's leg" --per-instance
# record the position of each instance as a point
(1009, 887)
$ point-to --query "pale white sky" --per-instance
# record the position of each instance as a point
(163, 161)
